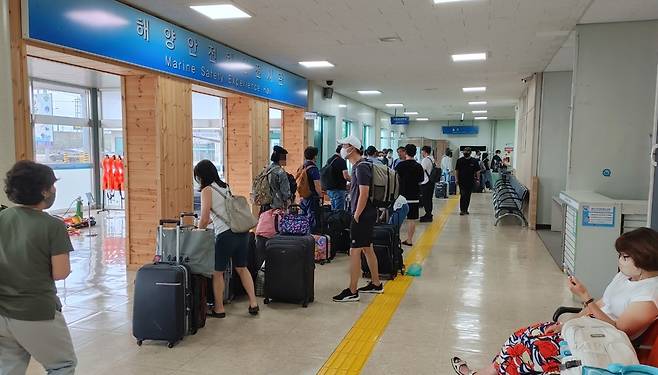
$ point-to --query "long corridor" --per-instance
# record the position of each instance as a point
(479, 283)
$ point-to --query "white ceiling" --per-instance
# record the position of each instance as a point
(69, 74)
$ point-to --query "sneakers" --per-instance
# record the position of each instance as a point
(372, 288)
(347, 296)
(426, 219)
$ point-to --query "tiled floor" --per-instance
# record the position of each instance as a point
(480, 283)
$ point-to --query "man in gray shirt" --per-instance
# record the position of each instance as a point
(34, 252)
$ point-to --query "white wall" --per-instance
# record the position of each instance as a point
(7, 142)
(491, 133)
(527, 145)
(356, 112)
(613, 108)
(553, 140)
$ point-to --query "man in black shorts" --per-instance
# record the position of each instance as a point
(410, 175)
(363, 222)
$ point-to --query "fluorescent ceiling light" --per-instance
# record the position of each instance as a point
(394, 105)
(422, 119)
(469, 57)
(220, 11)
(316, 64)
(479, 112)
(446, 1)
(369, 92)
(477, 103)
(411, 113)
(481, 117)
(474, 89)
(342, 106)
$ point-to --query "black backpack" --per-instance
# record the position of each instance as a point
(327, 179)
(293, 185)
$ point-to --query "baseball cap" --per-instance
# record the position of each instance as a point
(351, 140)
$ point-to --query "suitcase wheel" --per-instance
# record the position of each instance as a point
(193, 332)
(170, 345)
(305, 304)
(267, 301)
(139, 342)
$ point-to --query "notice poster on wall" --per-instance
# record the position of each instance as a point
(598, 216)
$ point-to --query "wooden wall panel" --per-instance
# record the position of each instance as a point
(143, 177)
(20, 84)
(174, 117)
(247, 138)
(294, 137)
(158, 138)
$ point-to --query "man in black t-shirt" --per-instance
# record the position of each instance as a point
(468, 176)
(411, 175)
(336, 184)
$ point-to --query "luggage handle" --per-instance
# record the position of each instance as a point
(183, 215)
(168, 221)
(158, 250)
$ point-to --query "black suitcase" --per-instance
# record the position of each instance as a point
(290, 269)
(337, 227)
(162, 302)
(386, 243)
(452, 187)
(441, 190)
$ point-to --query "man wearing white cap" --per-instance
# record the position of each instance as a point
(363, 222)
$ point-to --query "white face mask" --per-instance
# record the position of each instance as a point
(343, 153)
(628, 268)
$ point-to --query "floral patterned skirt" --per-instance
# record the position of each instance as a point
(530, 350)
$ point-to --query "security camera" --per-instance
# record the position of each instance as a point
(526, 79)
(330, 82)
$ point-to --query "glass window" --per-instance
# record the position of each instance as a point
(111, 116)
(317, 137)
(386, 139)
(208, 129)
(367, 136)
(62, 138)
(276, 123)
(394, 141)
(347, 129)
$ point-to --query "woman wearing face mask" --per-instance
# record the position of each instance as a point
(34, 252)
(630, 303)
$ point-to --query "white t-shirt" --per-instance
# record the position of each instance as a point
(621, 292)
(427, 164)
(446, 164)
(218, 208)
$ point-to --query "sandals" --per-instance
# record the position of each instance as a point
(405, 243)
(457, 363)
(254, 310)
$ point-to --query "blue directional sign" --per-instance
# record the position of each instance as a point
(460, 130)
(399, 120)
(116, 31)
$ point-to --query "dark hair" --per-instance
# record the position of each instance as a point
(400, 148)
(642, 246)
(498, 151)
(338, 149)
(26, 181)
(427, 149)
(310, 152)
(485, 156)
(410, 150)
(371, 150)
(205, 173)
(277, 154)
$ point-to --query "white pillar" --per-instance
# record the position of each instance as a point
(7, 141)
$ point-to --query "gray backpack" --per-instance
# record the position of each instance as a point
(239, 216)
(384, 186)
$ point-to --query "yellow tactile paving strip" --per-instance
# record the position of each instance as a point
(353, 352)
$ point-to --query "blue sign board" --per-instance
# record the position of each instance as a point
(117, 31)
(598, 216)
(399, 120)
(460, 130)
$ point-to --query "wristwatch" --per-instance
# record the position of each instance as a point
(586, 303)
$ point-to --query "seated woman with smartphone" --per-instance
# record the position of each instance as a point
(630, 303)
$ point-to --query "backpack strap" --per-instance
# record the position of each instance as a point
(225, 220)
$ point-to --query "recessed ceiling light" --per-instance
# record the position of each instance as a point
(316, 64)
(477, 103)
(479, 112)
(474, 89)
(422, 119)
(369, 92)
(396, 105)
(342, 106)
(469, 57)
(220, 11)
(481, 117)
(446, 1)
(390, 39)
(411, 113)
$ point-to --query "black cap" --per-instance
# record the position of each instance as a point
(280, 150)
(467, 149)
